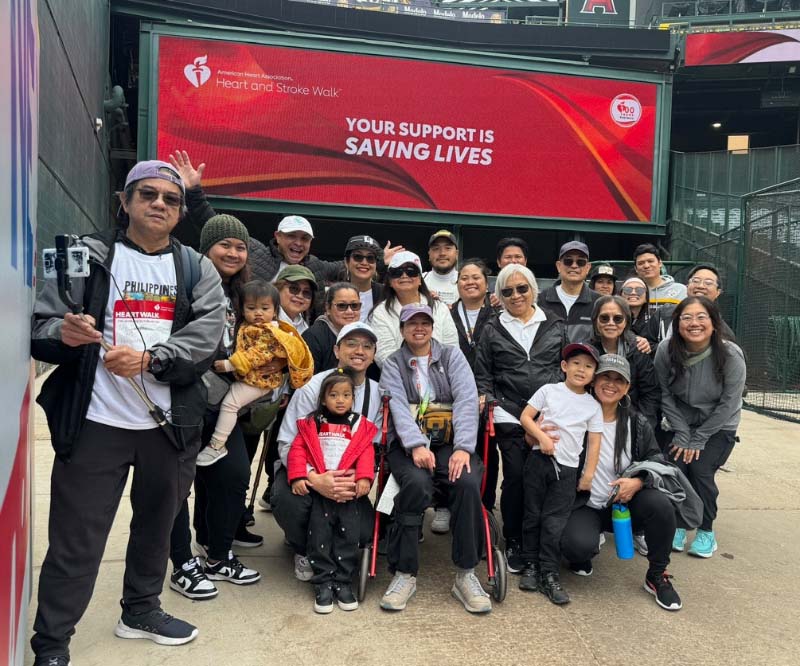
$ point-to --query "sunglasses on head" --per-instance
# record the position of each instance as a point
(297, 290)
(343, 307)
(520, 289)
(605, 318)
(571, 261)
(630, 291)
(359, 258)
(149, 195)
(409, 270)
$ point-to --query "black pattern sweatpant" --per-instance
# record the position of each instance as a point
(333, 531)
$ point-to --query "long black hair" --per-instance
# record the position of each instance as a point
(389, 295)
(338, 376)
(625, 413)
(679, 354)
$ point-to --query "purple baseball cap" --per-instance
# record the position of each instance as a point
(155, 169)
(412, 309)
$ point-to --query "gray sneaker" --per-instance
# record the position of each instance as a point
(400, 590)
(302, 568)
(209, 455)
(640, 544)
(467, 589)
(441, 521)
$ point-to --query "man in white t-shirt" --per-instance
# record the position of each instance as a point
(158, 309)
(443, 276)
(551, 471)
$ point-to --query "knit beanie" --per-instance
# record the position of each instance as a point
(219, 227)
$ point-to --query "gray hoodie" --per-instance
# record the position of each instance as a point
(697, 405)
(452, 382)
(668, 292)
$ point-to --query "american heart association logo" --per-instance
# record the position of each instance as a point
(197, 73)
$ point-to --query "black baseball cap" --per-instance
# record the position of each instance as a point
(362, 243)
(442, 233)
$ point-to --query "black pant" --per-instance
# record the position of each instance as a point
(220, 492)
(549, 496)
(701, 472)
(333, 536)
(293, 513)
(85, 495)
(416, 494)
(513, 451)
(651, 513)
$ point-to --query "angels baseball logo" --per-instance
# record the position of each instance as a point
(626, 110)
(197, 73)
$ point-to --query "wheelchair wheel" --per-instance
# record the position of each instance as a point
(363, 573)
(500, 585)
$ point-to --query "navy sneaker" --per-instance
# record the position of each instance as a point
(156, 626)
(59, 660)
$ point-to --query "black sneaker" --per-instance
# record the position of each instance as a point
(514, 562)
(581, 568)
(661, 588)
(59, 660)
(245, 539)
(323, 599)
(232, 570)
(157, 626)
(531, 578)
(345, 598)
(190, 581)
(551, 586)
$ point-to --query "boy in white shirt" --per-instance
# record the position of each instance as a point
(551, 470)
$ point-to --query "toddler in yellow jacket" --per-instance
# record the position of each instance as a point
(261, 338)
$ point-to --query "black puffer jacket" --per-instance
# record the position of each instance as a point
(510, 374)
(645, 392)
(320, 339)
(264, 259)
(579, 319)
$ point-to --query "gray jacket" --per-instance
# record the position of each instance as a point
(668, 479)
(452, 381)
(696, 404)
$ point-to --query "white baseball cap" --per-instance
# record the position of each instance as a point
(405, 257)
(356, 327)
(295, 223)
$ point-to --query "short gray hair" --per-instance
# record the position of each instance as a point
(516, 269)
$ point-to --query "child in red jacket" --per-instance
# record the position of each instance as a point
(333, 438)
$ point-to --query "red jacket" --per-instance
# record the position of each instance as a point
(306, 450)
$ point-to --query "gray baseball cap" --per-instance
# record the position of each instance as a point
(575, 246)
(614, 363)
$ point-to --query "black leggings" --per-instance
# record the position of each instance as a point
(220, 493)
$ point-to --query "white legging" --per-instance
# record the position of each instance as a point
(239, 395)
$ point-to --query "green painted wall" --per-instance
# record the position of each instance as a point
(73, 158)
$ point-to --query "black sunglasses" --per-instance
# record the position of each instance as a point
(343, 307)
(297, 290)
(409, 270)
(150, 195)
(369, 258)
(520, 289)
(605, 318)
(570, 261)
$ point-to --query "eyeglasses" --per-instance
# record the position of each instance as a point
(359, 258)
(708, 282)
(700, 316)
(358, 344)
(520, 289)
(605, 318)
(570, 261)
(409, 270)
(297, 290)
(149, 195)
(631, 291)
(344, 307)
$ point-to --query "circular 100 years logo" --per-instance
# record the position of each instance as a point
(626, 110)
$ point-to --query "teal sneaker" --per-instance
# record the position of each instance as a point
(679, 540)
(704, 544)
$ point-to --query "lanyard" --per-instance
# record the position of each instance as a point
(469, 329)
(365, 404)
(424, 399)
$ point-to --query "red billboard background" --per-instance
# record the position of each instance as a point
(312, 126)
(728, 48)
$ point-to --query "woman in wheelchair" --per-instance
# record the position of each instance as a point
(432, 438)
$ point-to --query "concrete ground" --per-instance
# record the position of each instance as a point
(740, 607)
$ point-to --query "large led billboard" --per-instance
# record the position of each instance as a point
(302, 125)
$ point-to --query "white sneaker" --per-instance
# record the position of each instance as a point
(640, 544)
(441, 521)
(467, 589)
(209, 455)
(302, 568)
(190, 581)
(400, 590)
